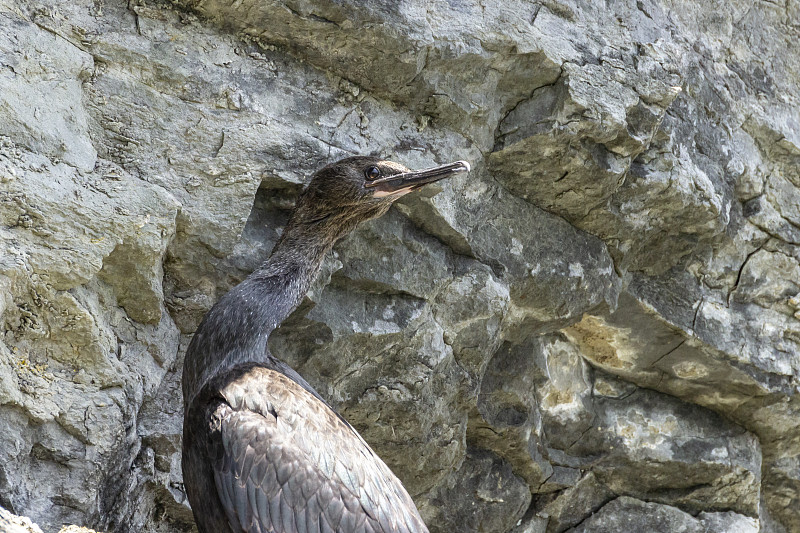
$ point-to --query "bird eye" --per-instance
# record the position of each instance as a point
(372, 173)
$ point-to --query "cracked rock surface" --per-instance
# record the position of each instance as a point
(597, 329)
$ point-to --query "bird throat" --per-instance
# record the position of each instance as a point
(236, 330)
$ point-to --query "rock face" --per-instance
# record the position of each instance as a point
(597, 330)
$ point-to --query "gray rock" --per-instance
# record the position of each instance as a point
(41, 94)
(11, 523)
(574, 504)
(745, 384)
(728, 522)
(629, 514)
(507, 417)
(426, 62)
(637, 448)
(484, 495)
(605, 308)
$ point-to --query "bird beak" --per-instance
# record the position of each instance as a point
(405, 182)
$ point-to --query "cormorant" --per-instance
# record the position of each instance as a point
(262, 450)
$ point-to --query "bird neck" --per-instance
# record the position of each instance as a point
(236, 330)
(283, 280)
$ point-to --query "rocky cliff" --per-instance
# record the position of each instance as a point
(596, 330)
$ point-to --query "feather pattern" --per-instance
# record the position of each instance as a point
(288, 463)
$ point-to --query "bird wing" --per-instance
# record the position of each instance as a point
(286, 462)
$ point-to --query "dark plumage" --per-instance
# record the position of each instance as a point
(262, 451)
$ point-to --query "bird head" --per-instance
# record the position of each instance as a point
(356, 189)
